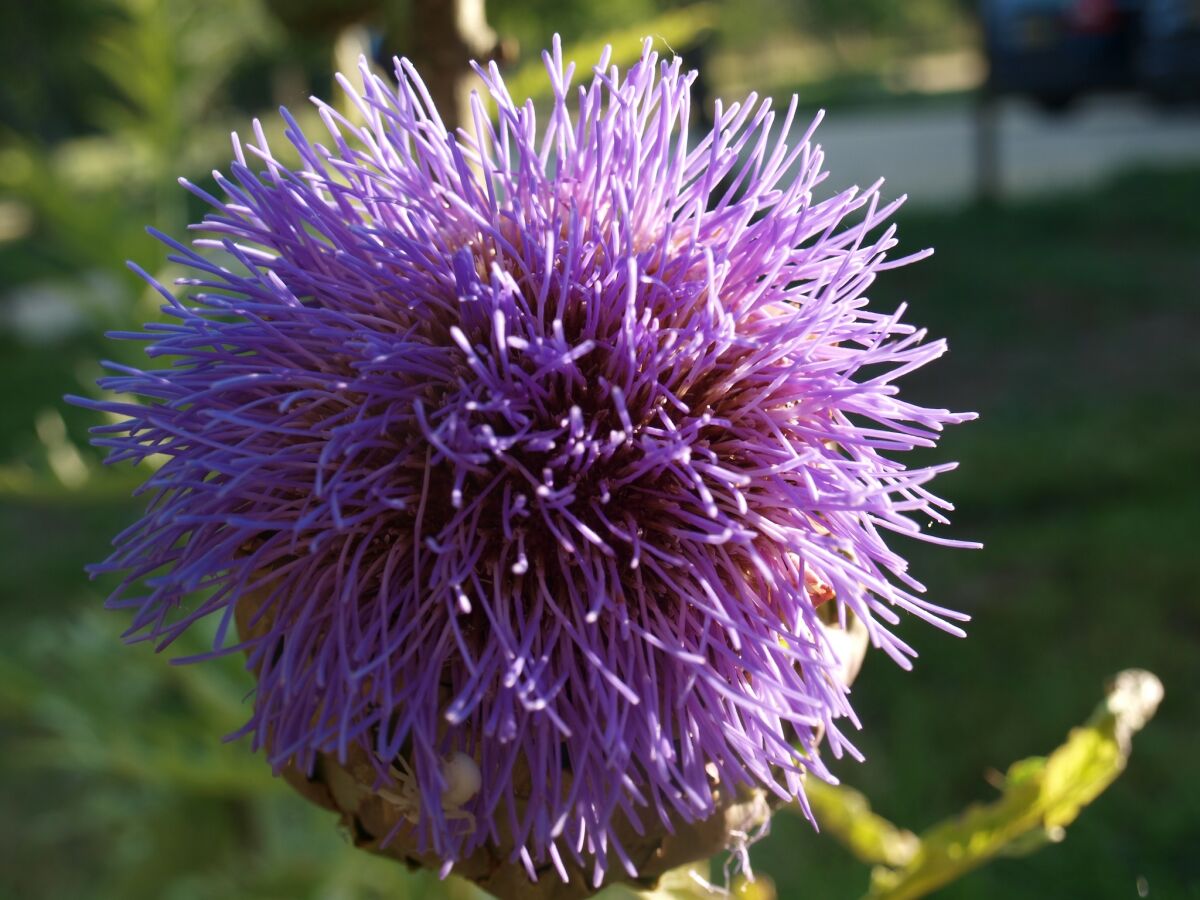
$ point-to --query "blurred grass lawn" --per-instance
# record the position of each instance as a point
(1073, 325)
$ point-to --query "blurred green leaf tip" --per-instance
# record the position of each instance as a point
(1040, 796)
(671, 28)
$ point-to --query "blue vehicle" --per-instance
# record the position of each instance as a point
(1056, 50)
(1168, 60)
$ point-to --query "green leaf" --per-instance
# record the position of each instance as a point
(846, 814)
(1041, 795)
(685, 883)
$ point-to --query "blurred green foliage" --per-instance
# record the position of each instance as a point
(682, 28)
(1080, 477)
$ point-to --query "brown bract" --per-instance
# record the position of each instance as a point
(347, 787)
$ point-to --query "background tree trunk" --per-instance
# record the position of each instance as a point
(443, 37)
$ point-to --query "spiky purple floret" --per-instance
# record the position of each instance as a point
(536, 448)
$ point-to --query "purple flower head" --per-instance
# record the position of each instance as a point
(539, 447)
